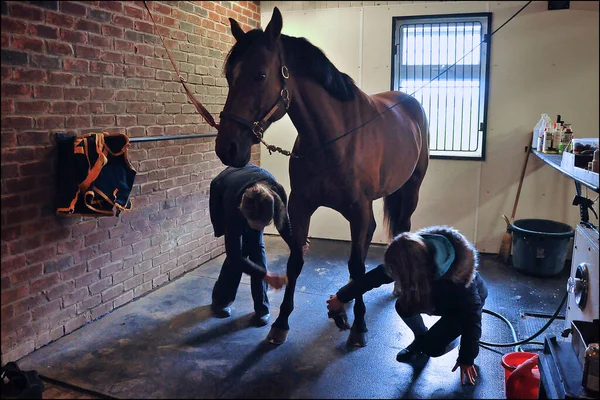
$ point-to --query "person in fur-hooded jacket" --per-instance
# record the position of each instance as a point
(435, 272)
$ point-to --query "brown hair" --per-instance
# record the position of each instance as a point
(258, 203)
(410, 264)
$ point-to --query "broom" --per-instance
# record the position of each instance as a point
(506, 245)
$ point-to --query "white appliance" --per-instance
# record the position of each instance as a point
(583, 300)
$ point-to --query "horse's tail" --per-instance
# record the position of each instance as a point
(399, 206)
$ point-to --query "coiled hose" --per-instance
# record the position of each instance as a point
(517, 343)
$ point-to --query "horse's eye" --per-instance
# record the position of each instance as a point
(261, 76)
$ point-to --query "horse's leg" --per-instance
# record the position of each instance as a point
(300, 213)
(361, 219)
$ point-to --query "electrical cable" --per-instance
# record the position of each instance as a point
(517, 343)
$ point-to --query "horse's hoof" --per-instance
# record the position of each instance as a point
(277, 335)
(357, 339)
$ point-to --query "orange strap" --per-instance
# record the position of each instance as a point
(201, 109)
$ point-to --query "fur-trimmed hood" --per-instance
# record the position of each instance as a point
(466, 258)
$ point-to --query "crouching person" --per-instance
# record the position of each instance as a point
(242, 202)
(435, 270)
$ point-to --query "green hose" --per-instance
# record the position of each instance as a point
(517, 343)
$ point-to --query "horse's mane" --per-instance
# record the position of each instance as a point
(302, 58)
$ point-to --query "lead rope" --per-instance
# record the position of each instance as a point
(201, 109)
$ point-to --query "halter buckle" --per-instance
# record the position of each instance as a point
(258, 129)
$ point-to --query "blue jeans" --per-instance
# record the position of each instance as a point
(226, 287)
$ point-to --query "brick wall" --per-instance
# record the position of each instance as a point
(93, 66)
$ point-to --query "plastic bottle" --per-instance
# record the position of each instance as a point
(538, 131)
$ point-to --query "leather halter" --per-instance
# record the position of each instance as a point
(258, 127)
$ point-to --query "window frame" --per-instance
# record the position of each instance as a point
(398, 21)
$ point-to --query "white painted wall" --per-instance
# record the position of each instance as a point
(541, 61)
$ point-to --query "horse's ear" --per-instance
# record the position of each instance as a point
(274, 28)
(237, 32)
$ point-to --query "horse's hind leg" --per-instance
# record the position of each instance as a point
(299, 213)
(362, 226)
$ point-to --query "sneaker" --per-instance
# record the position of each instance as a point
(262, 320)
(220, 311)
(407, 355)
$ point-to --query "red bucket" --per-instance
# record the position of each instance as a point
(524, 386)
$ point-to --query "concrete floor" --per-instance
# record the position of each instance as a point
(168, 345)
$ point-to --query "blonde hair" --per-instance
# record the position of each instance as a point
(410, 264)
(258, 203)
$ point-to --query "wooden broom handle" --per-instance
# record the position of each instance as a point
(514, 210)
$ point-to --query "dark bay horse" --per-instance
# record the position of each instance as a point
(351, 148)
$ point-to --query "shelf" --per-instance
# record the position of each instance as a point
(554, 161)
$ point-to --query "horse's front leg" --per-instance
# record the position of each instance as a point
(362, 226)
(300, 213)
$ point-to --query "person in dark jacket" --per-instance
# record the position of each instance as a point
(435, 272)
(242, 202)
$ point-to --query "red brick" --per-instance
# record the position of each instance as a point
(6, 73)
(13, 25)
(43, 61)
(19, 184)
(26, 43)
(112, 56)
(61, 78)
(124, 45)
(57, 19)
(100, 41)
(77, 296)
(102, 94)
(14, 293)
(30, 75)
(73, 36)
(15, 90)
(13, 263)
(122, 21)
(77, 94)
(50, 122)
(45, 282)
(17, 123)
(101, 285)
(134, 12)
(116, 6)
(113, 31)
(101, 67)
(88, 26)
(26, 12)
(73, 272)
(72, 8)
(46, 309)
(35, 138)
(89, 80)
(103, 120)
(70, 246)
(27, 274)
(90, 108)
(82, 121)
(90, 53)
(59, 48)
(13, 324)
(60, 290)
(32, 107)
(63, 107)
(87, 279)
(47, 92)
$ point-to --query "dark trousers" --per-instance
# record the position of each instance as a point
(227, 284)
(438, 340)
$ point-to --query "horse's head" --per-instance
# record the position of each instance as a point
(257, 94)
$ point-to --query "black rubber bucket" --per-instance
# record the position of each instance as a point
(540, 246)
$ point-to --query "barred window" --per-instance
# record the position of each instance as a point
(456, 100)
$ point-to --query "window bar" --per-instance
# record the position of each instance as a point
(462, 106)
(439, 64)
(471, 89)
(481, 87)
(430, 75)
(454, 85)
(446, 87)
